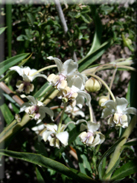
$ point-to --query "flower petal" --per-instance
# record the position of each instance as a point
(92, 127)
(131, 110)
(17, 69)
(46, 134)
(121, 104)
(30, 98)
(38, 128)
(57, 61)
(51, 127)
(49, 112)
(69, 67)
(106, 112)
(63, 137)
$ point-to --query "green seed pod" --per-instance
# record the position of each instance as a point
(93, 85)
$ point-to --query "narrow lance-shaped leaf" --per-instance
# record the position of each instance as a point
(107, 153)
(40, 160)
(2, 29)
(89, 59)
(5, 65)
(98, 30)
(125, 170)
(6, 113)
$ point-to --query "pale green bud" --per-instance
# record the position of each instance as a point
(93, 85)
(103, 99)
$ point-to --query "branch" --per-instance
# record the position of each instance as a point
(10, 92)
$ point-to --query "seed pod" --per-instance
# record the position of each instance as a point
(93, 85)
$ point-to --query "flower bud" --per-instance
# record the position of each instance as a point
(103, 99)
(93, 85)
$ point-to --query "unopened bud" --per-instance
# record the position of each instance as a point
(93, 85)
(103, 99)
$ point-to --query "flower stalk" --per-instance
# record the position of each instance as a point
(43, 69)
(61, 119)
(109, 90)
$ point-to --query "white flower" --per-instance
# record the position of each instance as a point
(26, 73)
(74, 91)
(54, 137)
(92, 137)
(119, 112)
(74, 111)
(28, 76)
(35, 109)
(65, 69)
(38, 128)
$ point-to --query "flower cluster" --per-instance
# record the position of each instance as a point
(69, 82)
(73, 88)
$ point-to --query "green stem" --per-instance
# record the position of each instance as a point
(104, 85)
(118, 149)
(112, 80)
(7, 128)
(14, 128)
(52, 96)
(45, 68)
(61, 119)
(90, 112)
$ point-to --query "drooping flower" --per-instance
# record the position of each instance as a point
(35, 109)
(65, 70)
(54, 137)
(28, 76)
(74, 111)
(119, 112)
(74, 91)
(92, 137)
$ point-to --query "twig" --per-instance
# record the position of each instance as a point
(10, 92)
(63, 22)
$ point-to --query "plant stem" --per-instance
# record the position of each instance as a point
(12, 131)
(112, 80)
(60, 123)
(91, 113)
(118, 149)
(10, 92)
(45, 68)
(52, 96)
(104, 85)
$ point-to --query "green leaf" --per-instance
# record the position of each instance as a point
(5, 65)
(31, 18)
(98, 30)
(39, 176)
(83, 161)
(89, 59)
(45, 89)
(132, 142)
(125, 170)
(40, 160)
(2, 29)
(107, 153)
(6, 113)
